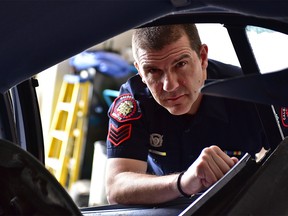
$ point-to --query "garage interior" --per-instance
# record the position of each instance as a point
(88, 189)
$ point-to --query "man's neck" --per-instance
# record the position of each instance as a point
(196, 105)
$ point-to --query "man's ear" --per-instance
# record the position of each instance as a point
(204, 56)
(139, 72)
(136, 66)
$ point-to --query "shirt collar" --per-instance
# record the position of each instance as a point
(213, 107)
(210, 106)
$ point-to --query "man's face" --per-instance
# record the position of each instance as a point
(174, 75)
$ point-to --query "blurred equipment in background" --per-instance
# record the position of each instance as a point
(97, 194)
(109, 70)
(68, 129)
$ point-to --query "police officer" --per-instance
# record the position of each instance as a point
(165, 138)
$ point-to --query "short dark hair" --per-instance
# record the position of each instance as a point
(156, 37)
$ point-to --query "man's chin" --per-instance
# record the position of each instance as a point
(177, 110)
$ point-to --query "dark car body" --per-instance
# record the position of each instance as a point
(38, 34)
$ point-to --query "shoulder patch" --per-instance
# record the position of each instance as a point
(125, 108)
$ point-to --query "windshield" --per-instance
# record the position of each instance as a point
(269, 47)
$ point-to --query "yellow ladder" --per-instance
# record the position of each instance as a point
(68, 129)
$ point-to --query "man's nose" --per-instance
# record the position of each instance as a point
(170, 82)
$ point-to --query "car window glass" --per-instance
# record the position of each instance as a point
(270, 48)
(219, 44)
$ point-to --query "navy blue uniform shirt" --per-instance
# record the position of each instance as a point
(141, 129)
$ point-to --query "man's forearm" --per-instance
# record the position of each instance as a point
(136, 188)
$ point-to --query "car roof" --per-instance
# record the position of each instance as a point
(38, 34)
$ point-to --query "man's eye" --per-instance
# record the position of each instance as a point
(153, 70)
(180, 64)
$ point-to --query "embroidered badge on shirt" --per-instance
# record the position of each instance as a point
(284, 116)
(156, 140)
(125, 108)
(118, 135)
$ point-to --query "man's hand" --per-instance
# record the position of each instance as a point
(209, 167)
(128, 183)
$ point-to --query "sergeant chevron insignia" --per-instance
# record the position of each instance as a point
(118, 135)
